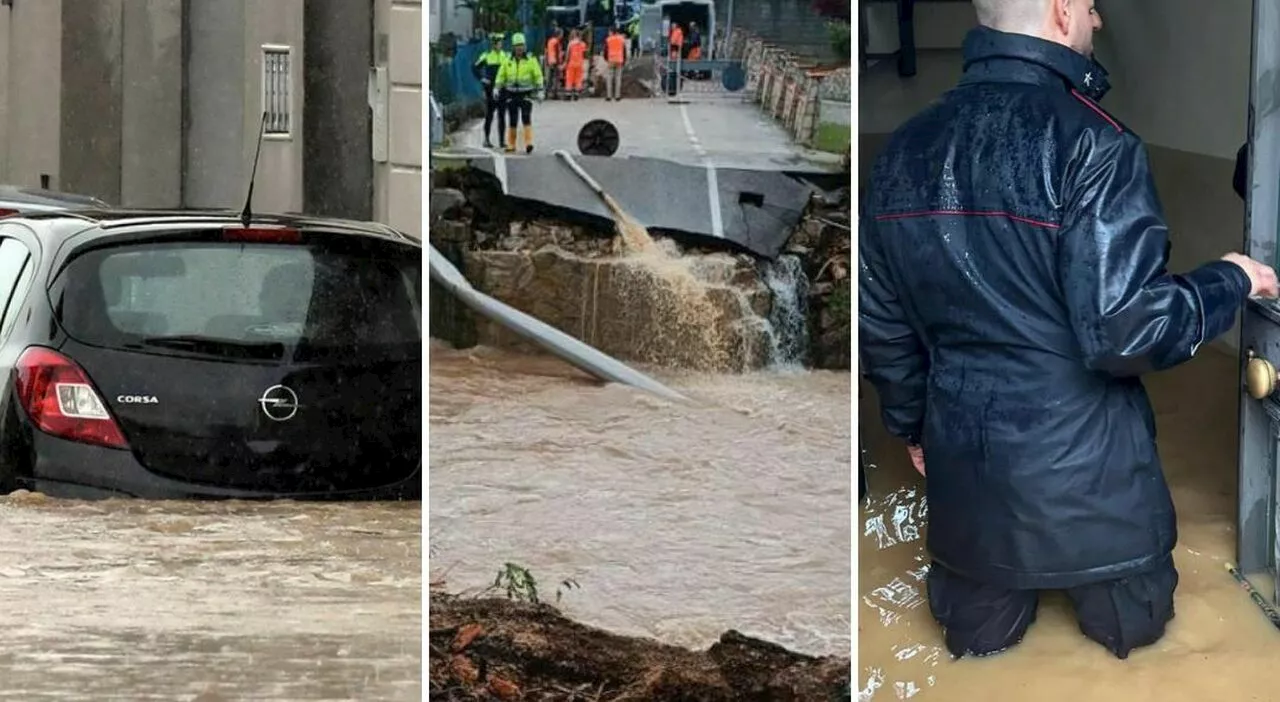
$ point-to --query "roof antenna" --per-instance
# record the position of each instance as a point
(246, 215)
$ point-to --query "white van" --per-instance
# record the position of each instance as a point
(656, 19)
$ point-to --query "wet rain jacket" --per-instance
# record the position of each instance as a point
(488, 63)
(520, 75)
(1013, 288)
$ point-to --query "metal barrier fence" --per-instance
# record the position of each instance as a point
(787, 87)
(680, 80)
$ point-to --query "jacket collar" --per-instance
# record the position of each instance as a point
(1085, 74)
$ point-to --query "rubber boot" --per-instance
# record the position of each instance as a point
(528, 139)
(510, 146)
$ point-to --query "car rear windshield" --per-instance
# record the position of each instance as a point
(235, 300)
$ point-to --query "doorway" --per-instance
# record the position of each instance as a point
(1259, 490)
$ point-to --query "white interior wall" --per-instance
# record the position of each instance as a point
(1180, 79)
(1180, 71)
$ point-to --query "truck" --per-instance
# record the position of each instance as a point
(656, 19)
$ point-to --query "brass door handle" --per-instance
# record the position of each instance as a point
(1259, 376)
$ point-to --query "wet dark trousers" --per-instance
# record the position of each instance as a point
(493, 106)
(519, 110)
(1124, 614)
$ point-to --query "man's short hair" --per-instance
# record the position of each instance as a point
(1011, 14)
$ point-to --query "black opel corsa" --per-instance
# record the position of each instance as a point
(187, 355)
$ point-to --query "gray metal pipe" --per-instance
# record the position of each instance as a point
(586, 177)
(566, 347)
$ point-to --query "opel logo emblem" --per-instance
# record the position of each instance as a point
(279, 403)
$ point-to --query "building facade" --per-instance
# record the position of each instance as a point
(158, 103)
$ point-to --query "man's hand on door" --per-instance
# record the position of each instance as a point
(917, 458)
(1262, 278)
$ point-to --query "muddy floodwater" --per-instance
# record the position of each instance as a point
(676, 522)
(134, 600)
(1218, 647)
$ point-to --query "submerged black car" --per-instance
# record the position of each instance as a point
(181, 355)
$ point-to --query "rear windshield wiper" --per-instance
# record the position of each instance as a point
(217, 346)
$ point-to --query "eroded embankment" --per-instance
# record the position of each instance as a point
(501, 649)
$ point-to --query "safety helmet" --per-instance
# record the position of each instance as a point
(517, 39)
(495, 36)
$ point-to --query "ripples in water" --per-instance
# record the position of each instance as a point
(678, 522)
(137, 600)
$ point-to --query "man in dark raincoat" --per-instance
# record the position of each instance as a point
(1013, 289)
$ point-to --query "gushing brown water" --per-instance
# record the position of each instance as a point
(635, 236)
(678, 522)
(1218, 647)
(134, 600)
(679, 309)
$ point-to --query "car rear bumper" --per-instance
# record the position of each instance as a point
(80, 471)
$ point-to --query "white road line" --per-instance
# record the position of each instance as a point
(713, 192)
(693, 137)
(500, 169)
(713, 182)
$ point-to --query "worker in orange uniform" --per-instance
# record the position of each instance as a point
(675, 44)
(575, 66)
(554, 60)
(695, 43)
(615, 50)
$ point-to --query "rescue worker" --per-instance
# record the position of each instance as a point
(694, 43)
(1013, 290)
(675, 42)
(615, 55)
(486, 71)
(575, 68)
(633, 33)
(554, 60)
(521, 79)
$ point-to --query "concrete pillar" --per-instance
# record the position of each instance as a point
(151, 98)
(91, 85)
(34, 98)
(337, 152)
(215, 112)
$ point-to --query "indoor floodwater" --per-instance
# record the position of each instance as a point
(210, 601)
(1218, 647)
(676, 522)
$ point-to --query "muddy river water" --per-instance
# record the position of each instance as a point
(676, 522)
(1218, 647)
(134, 600)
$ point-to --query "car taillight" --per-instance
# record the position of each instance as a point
(62, 401)
(264, 235)
(4, 212)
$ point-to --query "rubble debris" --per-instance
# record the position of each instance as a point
(517, 650)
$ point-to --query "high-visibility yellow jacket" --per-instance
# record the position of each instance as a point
(520, 75)
(488, 64)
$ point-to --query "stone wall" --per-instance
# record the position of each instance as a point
(787, 86)
(629, 310)
(824, 241)
(690, 308)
